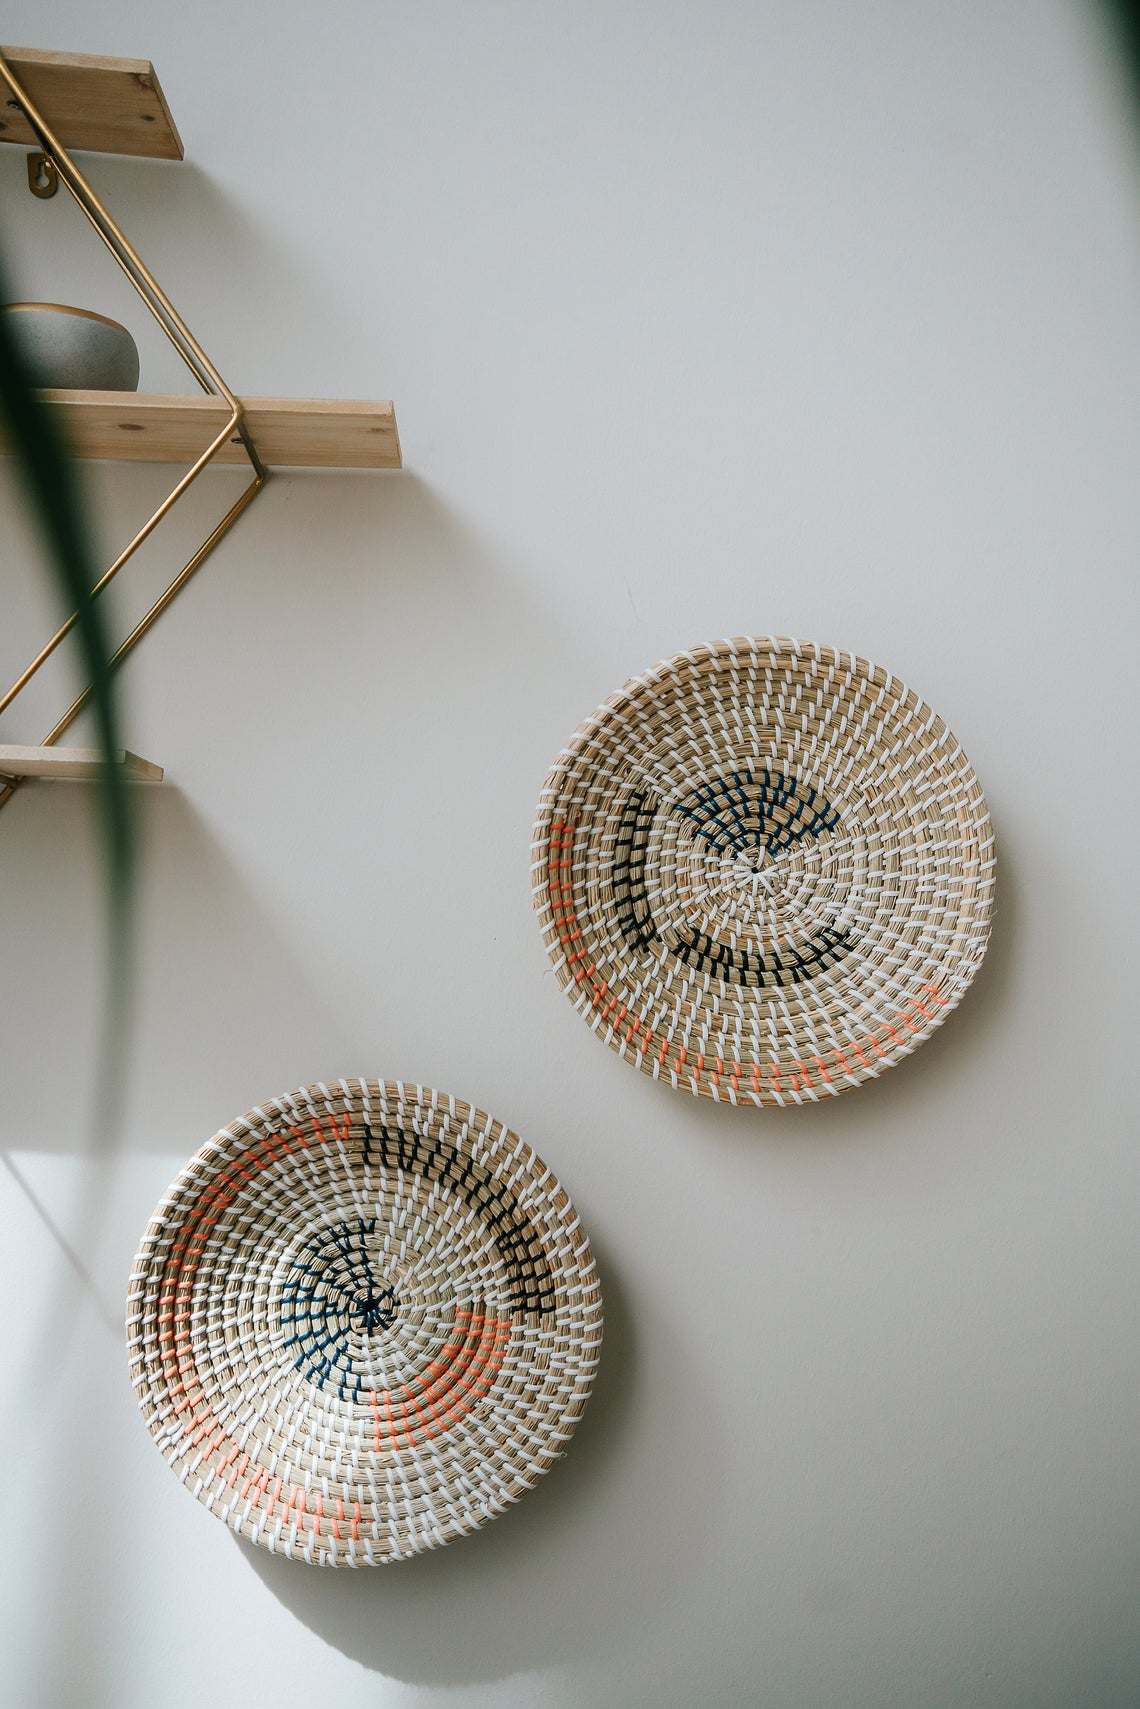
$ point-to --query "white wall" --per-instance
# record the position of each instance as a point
(700, 319)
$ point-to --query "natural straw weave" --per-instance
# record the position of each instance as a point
(764, 871)
(364, 1319)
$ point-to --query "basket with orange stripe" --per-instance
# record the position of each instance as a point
(364, 1319)
(764, 871)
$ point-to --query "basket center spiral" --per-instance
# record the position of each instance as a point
(754, 872)
(335, 1300)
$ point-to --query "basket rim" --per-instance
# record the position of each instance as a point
(597, 739)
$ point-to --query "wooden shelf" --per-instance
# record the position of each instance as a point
(141, 427)
(72, 763)
(114, 106)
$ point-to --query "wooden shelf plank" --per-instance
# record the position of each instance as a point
(72, 763)
(113, 106)
(142, 427)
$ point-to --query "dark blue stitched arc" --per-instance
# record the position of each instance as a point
(332, 1295)
(763, 810)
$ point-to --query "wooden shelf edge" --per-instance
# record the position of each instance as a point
(64, 764)
(91, 101)
(159, 427)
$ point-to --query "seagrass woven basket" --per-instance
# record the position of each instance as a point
(364, 1319)
(764, 871)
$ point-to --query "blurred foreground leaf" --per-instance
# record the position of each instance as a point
(52, 485)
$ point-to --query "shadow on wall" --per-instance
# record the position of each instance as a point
(227, 1011)
(606, 1539)
(157, 203)
(209, 956)
(230, 1003)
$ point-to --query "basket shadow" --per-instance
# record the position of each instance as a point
(520, 1593)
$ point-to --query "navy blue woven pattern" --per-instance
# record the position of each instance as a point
(767, 810)
(332, 1298)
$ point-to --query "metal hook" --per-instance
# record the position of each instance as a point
(43, 178)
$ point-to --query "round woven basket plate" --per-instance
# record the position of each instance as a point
(364, 1319)
(764, 871)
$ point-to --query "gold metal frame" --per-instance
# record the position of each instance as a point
(203, 371)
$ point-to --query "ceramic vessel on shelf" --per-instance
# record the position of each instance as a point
(75, 348)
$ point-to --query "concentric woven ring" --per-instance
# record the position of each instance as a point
(363, 1320)
(764, 871)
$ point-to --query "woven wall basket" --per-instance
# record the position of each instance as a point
(764, 871)
(364, 1319)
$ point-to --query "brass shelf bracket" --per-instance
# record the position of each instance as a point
(55, 164)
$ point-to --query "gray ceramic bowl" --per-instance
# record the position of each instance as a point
(74, 348)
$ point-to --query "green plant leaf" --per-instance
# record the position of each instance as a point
(52, 485)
